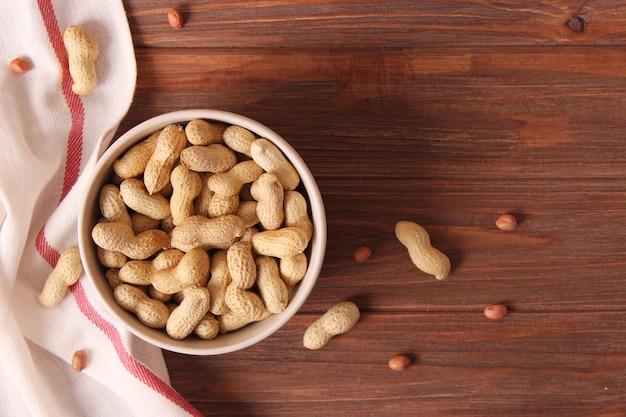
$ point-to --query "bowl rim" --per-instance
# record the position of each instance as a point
(103, 170)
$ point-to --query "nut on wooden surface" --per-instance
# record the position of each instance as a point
(399, 363)
(506, 222)
(495, 311)
(175, 18)
(424, 256)
(338, 319)
(362, 254)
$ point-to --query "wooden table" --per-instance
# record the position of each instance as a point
(446, 113)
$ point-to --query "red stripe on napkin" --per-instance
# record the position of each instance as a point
(75, 106)
(71, 173)
(136, 368)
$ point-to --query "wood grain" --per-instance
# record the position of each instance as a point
(463, 364)
(446, 113)
(399, 23)
(515, 112)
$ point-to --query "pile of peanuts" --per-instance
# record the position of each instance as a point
(202, 229)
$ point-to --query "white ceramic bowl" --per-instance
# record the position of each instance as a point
(229, 342)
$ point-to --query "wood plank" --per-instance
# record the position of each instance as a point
(419, 113)
(458, 147)
(359, 23)
(565, 254)
(445, 113)
(544, 364)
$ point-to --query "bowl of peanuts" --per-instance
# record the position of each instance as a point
(202, 231)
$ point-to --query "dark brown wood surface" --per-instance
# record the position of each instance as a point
(446, 113)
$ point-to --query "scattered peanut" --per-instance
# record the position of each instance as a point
(79, 360)
(362, 254)
(175, 18)
(65, 273)
(425, 257)
(335, 321)
(399, 363)
(495, 311)
(20, 65)
(82, 52)
(506, 222)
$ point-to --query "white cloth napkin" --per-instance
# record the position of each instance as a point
(50, 139)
